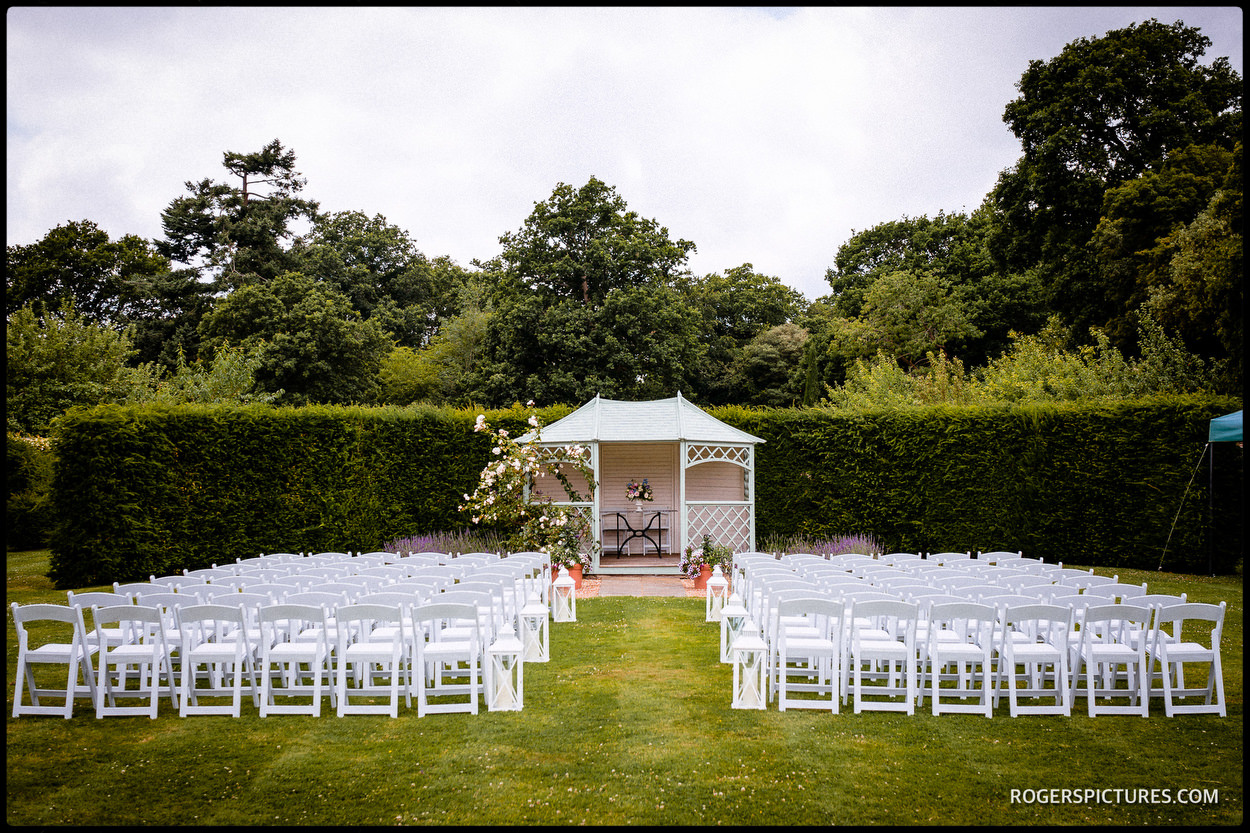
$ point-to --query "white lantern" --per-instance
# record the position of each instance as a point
(733, 617)
(717, 590)
(564, 597)
(750, 665)
(534, 631)
(505, 683)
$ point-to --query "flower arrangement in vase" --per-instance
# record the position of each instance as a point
(638, 492)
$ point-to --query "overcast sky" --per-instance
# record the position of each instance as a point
(765, 136)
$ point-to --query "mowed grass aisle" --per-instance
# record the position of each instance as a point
(629, 723)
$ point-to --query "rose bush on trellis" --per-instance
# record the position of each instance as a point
(504, 499)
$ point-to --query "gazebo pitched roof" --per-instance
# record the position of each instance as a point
(657, 420)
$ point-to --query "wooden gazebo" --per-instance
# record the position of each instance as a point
(700, 470)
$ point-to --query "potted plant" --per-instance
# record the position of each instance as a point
(698, 563)
(563, 534)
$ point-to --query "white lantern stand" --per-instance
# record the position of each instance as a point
(717, 590)
(534, 634)
(732, 617)
(750, 665)
(505, 683)
(564, 597)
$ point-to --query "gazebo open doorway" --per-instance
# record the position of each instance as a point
(701, 473)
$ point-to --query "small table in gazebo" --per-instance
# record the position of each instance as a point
(647, 526)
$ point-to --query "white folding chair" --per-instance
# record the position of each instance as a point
(891, 661)
(945, 558)
(1173, 649)
(448, 643)
(1036, 637)
(291, 667)
(75, 655)
(1103, 648)
(144, 648)
(369, 653)
(999, 556)
(215, 637)
(99, 598)
(815, 651)
(960, 634)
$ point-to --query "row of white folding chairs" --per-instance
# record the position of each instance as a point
(1133, 636)
(530, 570)
(264, 645)
(282, 564)
(510, 590)
(535, 565)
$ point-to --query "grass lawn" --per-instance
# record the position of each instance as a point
(629, 723)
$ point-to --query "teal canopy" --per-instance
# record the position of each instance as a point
(1226, 428)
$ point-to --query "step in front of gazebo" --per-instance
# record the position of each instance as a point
(639, 565)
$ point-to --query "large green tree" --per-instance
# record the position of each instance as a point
(583, 303)
(236, 232)
(1102, 112)
(638, 344)
(76, 264)
(378, 267)
(582, 243)
(59, 360)
(730, 309)
(122, 283)
(314, 348)
(1134, 242)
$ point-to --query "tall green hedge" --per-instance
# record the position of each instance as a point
(151, 490)
(1084, 484)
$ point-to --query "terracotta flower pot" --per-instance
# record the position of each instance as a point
(575, 573)
(705, 573)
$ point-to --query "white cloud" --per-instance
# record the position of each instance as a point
(765, 136)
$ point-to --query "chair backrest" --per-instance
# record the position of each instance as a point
(967, 619)
(168, 600)
(930, 598)
(441, 614)
(341, 588)
(997, 556)
(288, 623)
(896, 617)
(1107, 622)
(801, 605)
(319, 598)
(1082, 582)
(1018, 583)
(99, 598)
(24, 614)
(211, 622)
(1076, 601)
(1040, 622)
(137, 589)
(1177, 615)
(1156, 600)
(140, 623)
(367, 618)
(394, 599)
(483, 601)
(1001, 600)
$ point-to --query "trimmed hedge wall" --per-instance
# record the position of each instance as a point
(152, 490)
(1091, 485)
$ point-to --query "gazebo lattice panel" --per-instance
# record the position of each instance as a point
(737, 455)
(728, 524)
